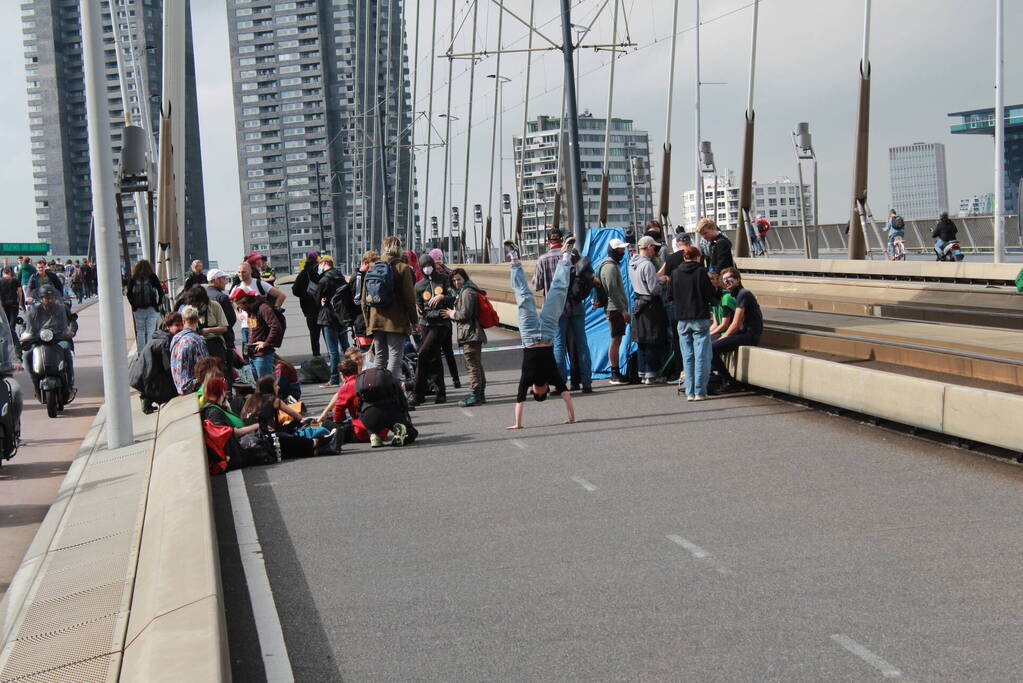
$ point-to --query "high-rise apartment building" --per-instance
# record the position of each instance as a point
(982, 122)
(57, 119)
(777, 201)
(321, 99)
(629, 193)
(918, 179)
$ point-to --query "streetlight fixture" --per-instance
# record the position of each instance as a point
(477, 215)
(804, 152)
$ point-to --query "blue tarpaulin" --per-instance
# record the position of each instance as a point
(598, 334)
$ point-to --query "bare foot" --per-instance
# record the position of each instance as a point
(514, 427)
(569, 422)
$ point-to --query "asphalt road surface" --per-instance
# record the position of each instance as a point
(737, 539)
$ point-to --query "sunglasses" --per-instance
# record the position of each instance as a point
(729, 280)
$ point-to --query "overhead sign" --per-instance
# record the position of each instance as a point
(24, 247)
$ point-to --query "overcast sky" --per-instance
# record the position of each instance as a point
(929, 57)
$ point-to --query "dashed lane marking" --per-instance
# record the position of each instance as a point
(466, 412)
(700, 554)
(886, 669)
(519, 444)
(585, 484)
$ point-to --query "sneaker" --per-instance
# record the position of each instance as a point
(690, 398)
(414, 401)
(470, 401)
(588, 389)
(400, 433)
(375, 441)
(616, 377)
(699, 398)
(569, 244)
(440, 399)
(511, 251)
(646, 380)
(332, 384)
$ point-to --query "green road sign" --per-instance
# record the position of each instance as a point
(24, 247)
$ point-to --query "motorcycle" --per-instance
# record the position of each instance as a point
(10, 419)
(950, 252)
(53, 381)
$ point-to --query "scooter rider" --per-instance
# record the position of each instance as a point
(48, 313)
(945, 231)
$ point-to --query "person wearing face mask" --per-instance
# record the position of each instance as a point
(617, 308)
(446, 347)
(305, 289)
(745, 329)
(429, 297)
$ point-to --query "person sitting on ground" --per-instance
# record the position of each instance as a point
(723, 309)
(353, 353)
(745, 329)
(383, 406)
(345, 410)
(186, 350)
(263, 407)
(465, 311)
(243, 446)
(537, 331)
(208, 367)
(287, 379)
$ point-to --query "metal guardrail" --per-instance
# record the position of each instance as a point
(976, 235)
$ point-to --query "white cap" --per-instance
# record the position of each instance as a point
(618, 244)
(214, 274)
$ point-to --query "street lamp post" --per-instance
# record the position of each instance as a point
(707, 166)
(804, 152)
(477, 215)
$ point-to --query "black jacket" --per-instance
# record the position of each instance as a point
(158, 385)
(324, 289)
(305, 289)
(945, 230)
(692, 292)
(720, 256)
(425, 290)
(194, 279)
(157, 286)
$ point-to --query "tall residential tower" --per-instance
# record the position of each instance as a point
(322, 104)
(918, 178)
(982, 122)
(57, 121)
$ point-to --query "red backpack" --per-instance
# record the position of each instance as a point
(488, 316)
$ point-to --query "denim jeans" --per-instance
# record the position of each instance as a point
(891, 240)
(573, 327)
(542, 328)
(651, 356)
(726, 345)
(388, 350)
(146, 320)
(694, 338)
(262, 365)
(337, 344)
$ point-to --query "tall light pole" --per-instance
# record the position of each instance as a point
(746, 183)
(113, 346)
(858, 219)
(804, 152)
(572, 130)
(999, 217)
(499, 121)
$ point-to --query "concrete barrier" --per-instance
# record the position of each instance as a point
(962, 412)
(962, 271)
(121, 580)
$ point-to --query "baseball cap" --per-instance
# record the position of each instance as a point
(254, 257)
(238, 293)
(313, 256)
(214, 274)
(683, 237)
(618, 244)
(646, 241)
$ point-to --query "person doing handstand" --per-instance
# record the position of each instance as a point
(539, 368)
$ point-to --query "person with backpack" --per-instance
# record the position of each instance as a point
(430, 292)
(153, 380)
(896, 227)
(304, 288)
(336, 310)
(382, 405)
(616, 306)
(537, 330)
(265, 331)
(465, 309)
(650, 324)
(145, 294)
(446, 348)
(388, 303)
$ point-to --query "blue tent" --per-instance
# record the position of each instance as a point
(598, 334)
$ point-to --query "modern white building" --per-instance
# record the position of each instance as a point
(630, 199)
(777, 201)
(978, 205)
(918, 179)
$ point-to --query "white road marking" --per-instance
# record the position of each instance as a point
(466, 412)
(886, 669)
(585, 484)
(700, 554)
(264, 610)
(519, 444)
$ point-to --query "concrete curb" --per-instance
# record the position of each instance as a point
(177, 629)
(924, 270)
(962, 412)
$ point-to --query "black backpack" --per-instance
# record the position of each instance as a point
(342, 303)
(599, 298)
(899, 223)
(375, 385)
(582, 280)
(143, 294)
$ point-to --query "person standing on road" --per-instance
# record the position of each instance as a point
(446, 347)
(896, 227)
(719, 249)
(9, 295)
(267, 273)
(195, 276)
(649, 327)
(430, 292)
(539, 367)
(609, 272)
(145, 294)
(247, 284)
(266, 334)
(337, 307)
(471, 335)
(693, 295)
(388, 302)
(304, 288)
(187, 348)
(745, 330)
(215, 291)
(25, 273)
